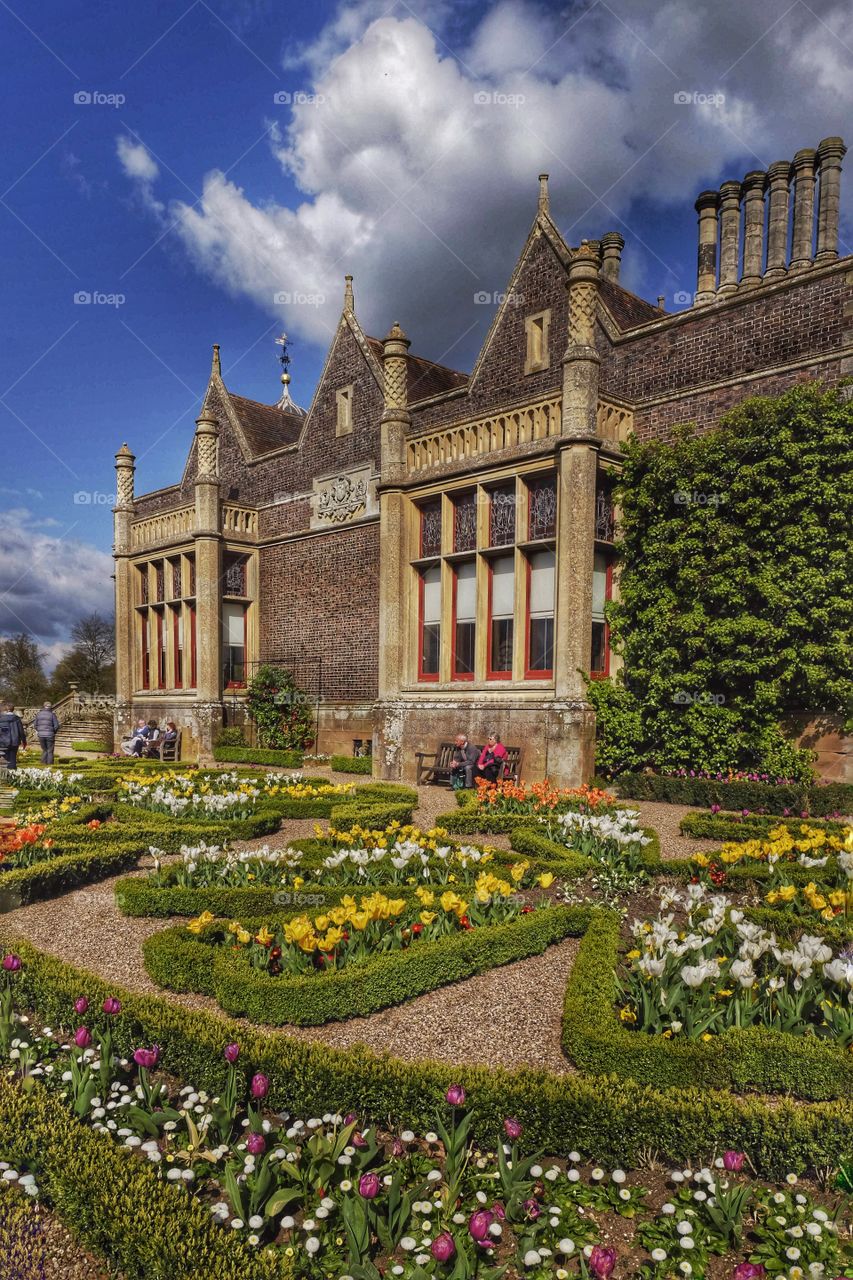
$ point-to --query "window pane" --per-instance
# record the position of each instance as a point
(599, 584)
(503, 587)
(431, 528)
(542, 508)
(465, 522)
(542, 583)
(432, 595)
(502, 517)
(464, 651)
(233, 629)
(598, 662)
(430, 642)
(501, 653)
(541, 655)
(466, 592)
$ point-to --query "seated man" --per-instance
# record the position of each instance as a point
(492, 758)
(132, 745)
(462, 764)
(151, 746)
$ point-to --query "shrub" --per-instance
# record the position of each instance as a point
(352, 764)
(820, 800)
(92, 746)
(282, 712)
(224, 754)
(232, 736)
(731, 826)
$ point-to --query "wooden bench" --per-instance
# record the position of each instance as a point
(434, 766)
(165, 750)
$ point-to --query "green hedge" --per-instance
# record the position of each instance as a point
(730, 826)
(185, 962)
(117, 1204)
(258, 755)
(92, 746)
(753, 1058)
(352, 764)
(610, 1120)
(67, 871)
(137, 896)
(819, 800)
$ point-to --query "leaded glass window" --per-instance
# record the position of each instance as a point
(604, 521)
(431, 528)
(502, 517)
(235, 576)
(542, 508)
(465, 522)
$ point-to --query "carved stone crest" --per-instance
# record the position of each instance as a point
(338, 499)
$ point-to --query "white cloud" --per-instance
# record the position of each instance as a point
(425, 193)
(47, 582)
(136, 160)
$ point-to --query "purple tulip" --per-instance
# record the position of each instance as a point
(442, 1247)
(499, 1211)
(512, 1129)
(81, 1006)
(479, 1223)
(456, 1095)
(350, 1118)
(397, 1148)
(255, 1144)
(260, 1086)
(733, 1161)
(232, 1053)
(715, 808)
(111, 1005)
(533, 1209)
(602, 1261)
(748, 1271)
(368, 1186)
(359, 1141)
(82, 1038)
(11, 962)
(147, 1058)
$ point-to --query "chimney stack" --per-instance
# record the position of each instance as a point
(804, 180)
(706, 276)
(753, 228)
(544, 201)
(729, 238)
(830, 153)
(612, 245)
(778, 178)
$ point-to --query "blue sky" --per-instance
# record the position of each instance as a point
(186, 197)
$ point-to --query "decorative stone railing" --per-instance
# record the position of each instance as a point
(613, 421)
(166, 526)
(486, 435)
(240, 522)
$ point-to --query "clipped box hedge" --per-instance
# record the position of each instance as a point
(351, 764)
(610, 1120)
(730, 826)
(66, 871)
(259, 756)
(182, 961)
(819, 800)
(117, 1204)
(753, 1058)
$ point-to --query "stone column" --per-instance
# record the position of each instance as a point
(393, 555)
(581, 360)
(208, 569)
(729, 238)
(544, 200)
(706, 276)
(123, 514)
(830, 153)
(804, 180)
(778, 177)
(753, 228)
(612, 245)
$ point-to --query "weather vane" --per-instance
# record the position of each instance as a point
(284, 358)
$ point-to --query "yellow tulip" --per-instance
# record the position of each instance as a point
(264, 937)
(243, 936)
(427, 917)
(546, 880)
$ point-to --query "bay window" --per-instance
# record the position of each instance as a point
(501, 617)
(540, 614)
(464, 619)
(430, 623)
(234, 644)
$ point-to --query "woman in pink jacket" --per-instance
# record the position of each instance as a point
(491, 761)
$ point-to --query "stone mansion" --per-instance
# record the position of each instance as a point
(429, 550)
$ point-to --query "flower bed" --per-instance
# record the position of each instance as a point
(818, 800)
(716, 825)
(211, 964)
(765, 1057)
(228, 793)
(228, 1183)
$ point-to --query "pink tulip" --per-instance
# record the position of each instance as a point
(602, 1261)
(82, 1038)
(532, 1208)
(479, 1223)
(232, 1053)
(147, 1058)
(11, 962)
(512, 1129)
(81, 1006)
(260, 1086)
(111, 1005)
(368, 1186)
(442, 1247)
(359, 1141)
(455, 1096)
(397, 1148)
(255, 1144)
(749, 1271)
(733, 1161)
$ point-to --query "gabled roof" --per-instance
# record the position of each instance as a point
(265, 426)
(425, 378)
(626, 308)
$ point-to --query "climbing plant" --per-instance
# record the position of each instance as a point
(284, 715)
(735, 590)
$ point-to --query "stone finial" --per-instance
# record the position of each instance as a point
(349, 296)
(729, 238)
(544, 198)
(583, 295)
(612, 244)
(830, 153)
(804, 182)
(395, 367)
(125, 468)
(216, 367)
(707, 204)
(207, 441)
(753, 227)
(778, 178)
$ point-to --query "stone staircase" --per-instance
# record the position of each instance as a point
(82, 727)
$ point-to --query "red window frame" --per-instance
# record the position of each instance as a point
(193, 654)
(161, 654)
(146, 669)
(608, 595)
(529, 674)
(454, 674)
(241, 684)
(490, 674)
(178, 650)
(425, 675)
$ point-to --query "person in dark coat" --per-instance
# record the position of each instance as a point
(462, 763)
(46, 727)
(13, 737)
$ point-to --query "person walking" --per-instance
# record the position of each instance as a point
(13, 736)
(46, 727)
